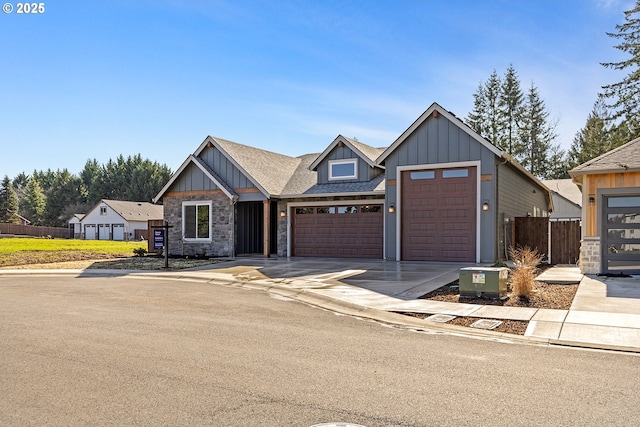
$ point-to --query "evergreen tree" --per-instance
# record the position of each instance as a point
(511, 106)
(485, 117)
(8, 202)
(625, 95)
(536, 136)
(35, 202)
(63, 198)
(594, 139)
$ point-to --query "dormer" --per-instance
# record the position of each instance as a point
(347, 160)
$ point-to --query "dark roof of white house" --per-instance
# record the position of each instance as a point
(135, 211)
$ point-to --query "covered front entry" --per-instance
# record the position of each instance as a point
(438, 214)
(345, 231)
(250, 228)
(621, 234)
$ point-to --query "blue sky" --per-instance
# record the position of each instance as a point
(96, 79)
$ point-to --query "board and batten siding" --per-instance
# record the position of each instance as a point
(438, 141)
(194, 180)
(365, 172)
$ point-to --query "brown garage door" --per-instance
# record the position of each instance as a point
(439, 215)
(338, 231)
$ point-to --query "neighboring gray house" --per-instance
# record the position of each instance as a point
(118, 219)
(567, 199)
(440, 192)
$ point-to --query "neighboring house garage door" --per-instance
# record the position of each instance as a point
(439, 215)
(90, 232)
(103, 231)
(118, 231)
(338, 231)
(621, 234)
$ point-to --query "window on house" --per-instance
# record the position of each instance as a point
(196, 220)
(330, 210)
(103, 210)
(343, 169)
(347, 209)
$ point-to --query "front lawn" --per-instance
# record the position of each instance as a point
(26, 250)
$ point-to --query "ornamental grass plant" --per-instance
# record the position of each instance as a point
(526, 262)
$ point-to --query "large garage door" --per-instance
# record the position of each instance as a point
(118, 231)
(338, 231)
(621, 234)
(439, 215)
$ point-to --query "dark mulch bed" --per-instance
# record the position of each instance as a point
(544, 296)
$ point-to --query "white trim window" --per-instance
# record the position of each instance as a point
(196, 221)
(343, 169)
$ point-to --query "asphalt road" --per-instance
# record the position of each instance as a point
(130, 351)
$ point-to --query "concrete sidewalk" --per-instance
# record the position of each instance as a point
(605, 312)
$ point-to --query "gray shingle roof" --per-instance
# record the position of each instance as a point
(272, 171)
(566, 188)
(135, 211)
(621, 159)
(370, 152)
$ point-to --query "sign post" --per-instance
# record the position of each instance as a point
(161, 240)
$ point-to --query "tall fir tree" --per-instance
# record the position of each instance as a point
(594, 139)
(8, 202)
(625, 94)
(536, 135)
(511, 108)
(485, 117)
(34, 202)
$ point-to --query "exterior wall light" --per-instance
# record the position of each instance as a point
(392, 209)
(283, 213)
(592, 200)
(485, 205)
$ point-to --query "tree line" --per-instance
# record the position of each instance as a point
(519, 123)
(51, 198)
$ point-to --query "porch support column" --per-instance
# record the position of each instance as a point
(267, 230)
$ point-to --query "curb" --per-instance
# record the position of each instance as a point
(335, 305)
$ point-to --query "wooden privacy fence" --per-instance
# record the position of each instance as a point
(559, 241)
(35, 231)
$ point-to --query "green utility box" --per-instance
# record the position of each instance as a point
(487, 282)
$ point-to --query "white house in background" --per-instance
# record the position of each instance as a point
(75, 225)
(567, 199)
(118, 220)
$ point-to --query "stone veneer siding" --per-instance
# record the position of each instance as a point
(590, 256)
(221, 243)
(282, 221)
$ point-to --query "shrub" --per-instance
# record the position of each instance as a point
(140, 251)
(523, 277)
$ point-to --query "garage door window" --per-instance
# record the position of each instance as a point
(423, 175)
(196, 220)
(330, 210)
(304, 211)
(371, 209)
(347, 209)
(455, 173)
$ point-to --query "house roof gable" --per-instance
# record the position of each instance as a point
(365, 152)
(434, 109)
(565, 188)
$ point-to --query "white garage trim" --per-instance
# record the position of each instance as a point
(398, 201)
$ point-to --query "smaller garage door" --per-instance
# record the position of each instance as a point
(118, 232)
(621, 234)
(90, 232)
(103, 231)
(354, 231)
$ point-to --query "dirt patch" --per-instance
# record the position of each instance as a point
(121, 263)
(545, 295)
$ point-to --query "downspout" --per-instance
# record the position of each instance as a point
(498, 223)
